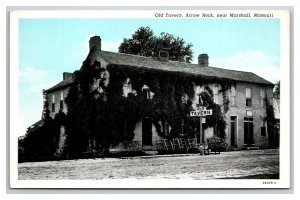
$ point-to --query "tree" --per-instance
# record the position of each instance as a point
(144, 43)
(276, 92)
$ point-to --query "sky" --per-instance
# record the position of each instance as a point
(49, 47)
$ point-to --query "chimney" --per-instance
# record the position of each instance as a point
(203, 60)
(95, 42)
(67, 75)
(163, 54)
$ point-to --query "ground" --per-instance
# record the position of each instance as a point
(251, 164)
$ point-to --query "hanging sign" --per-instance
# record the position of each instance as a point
(198, 113)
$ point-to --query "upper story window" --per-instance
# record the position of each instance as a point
(248, 97)
(216, 93)
(146, 92)
(53, 103)
(262, 98)
(200, 101)
(233, 96)
(184, 98)
(127, 87)
(61, 103)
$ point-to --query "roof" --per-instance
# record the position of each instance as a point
(63, 84)
(175, 66)
(37, 125)
(172, 66)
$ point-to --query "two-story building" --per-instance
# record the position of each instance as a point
(246, 115)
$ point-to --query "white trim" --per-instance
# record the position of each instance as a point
(237, 129)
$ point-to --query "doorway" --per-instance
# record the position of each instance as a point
(233, 131)
(248, 131)
(147, 131)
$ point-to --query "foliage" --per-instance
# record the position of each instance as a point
(271, 122)
(98, 120)
(276, 92)
(40, 142)
(144, 43)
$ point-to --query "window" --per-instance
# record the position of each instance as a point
(248, 97)
(233, 96)
(262, 98)
(146, 92)
(61, 105)
(53, 107)
(216, 94)
(163, 54)
(200, 102)
(263, 129)
(250, 119)
(184, 99)
(127, 88)
(53, 103)
(61, 102)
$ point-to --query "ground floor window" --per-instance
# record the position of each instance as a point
(263, 129)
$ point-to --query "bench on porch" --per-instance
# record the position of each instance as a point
(216, 144)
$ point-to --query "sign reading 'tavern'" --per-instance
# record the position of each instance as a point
(198, 113)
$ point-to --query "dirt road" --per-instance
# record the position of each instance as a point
(237, 164)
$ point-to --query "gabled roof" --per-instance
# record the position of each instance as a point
(175, 66)
(122, 59)
(37, 125)
(63, 84)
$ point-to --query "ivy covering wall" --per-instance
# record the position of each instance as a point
(102, 117)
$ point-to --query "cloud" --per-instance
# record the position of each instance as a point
(34, 80)
(111, 45)
(106, 45)
(252, 61)
(30, 74)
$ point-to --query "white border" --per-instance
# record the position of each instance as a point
(284, 181)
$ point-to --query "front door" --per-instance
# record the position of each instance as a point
(248, 130)
(147, 131)
(233, 128)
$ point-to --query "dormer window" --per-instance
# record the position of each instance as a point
(163, 54)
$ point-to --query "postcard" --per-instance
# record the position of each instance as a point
(150, 99)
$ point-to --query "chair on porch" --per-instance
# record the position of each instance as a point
(192, 143)
(165, 146)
